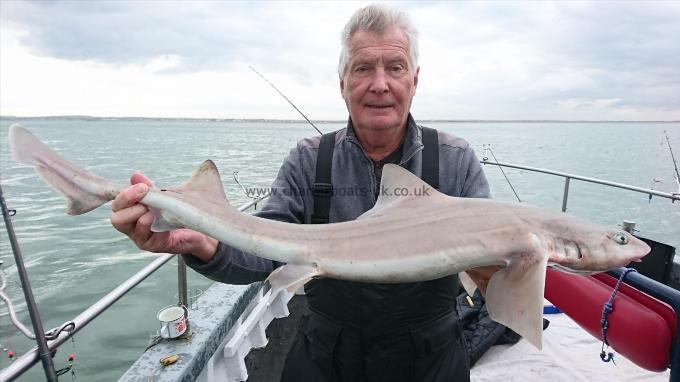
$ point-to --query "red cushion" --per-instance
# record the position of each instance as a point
(660, 307)
(641, 328)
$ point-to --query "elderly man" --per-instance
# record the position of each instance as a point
(353, 331)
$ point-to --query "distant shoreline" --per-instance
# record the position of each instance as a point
(90, 118)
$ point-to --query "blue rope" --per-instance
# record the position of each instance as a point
(604, 323)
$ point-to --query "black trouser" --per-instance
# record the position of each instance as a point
(328, 351)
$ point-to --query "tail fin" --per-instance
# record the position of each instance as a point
(83, 191)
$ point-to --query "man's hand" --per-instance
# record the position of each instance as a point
(134, 220)
(482, 275)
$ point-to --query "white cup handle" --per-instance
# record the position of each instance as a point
(165, 330)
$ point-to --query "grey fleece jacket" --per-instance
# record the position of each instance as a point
(354, 182)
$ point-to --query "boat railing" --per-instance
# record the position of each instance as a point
(27, 360)
(568, 177)
(30, 358)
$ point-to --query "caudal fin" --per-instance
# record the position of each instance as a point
(82, 190)
(25, 147)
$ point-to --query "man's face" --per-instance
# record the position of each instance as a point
(379, 81)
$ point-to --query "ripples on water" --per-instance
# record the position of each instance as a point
(74, 261)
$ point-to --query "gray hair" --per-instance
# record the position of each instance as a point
(378, 18)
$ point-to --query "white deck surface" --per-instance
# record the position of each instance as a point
(569, 354)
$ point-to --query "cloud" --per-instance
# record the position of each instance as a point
(495, 60)
(543, 53)
(202, 35)
(595, 103)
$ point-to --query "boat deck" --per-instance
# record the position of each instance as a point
(568, 354)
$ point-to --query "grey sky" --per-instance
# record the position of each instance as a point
(479, 60)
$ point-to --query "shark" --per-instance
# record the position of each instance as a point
(401, 239)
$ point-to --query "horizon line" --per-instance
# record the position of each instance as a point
(207, 119)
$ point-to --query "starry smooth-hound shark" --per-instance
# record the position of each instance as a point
(401, 239)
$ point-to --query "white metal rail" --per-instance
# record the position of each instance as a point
(30, 358)
(568, 177)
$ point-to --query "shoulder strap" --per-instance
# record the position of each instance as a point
(323, 189)
(430, 164)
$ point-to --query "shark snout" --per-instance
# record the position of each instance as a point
(635, 251)
(642, 251)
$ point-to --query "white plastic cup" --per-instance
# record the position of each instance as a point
(173, 320)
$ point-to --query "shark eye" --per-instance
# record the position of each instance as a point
(620, 238)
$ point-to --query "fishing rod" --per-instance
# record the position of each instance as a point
(43, 349)
(675, 164)
(286, 98)
(488, 147)
(257, 198)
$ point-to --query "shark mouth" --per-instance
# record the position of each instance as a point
(571, 270)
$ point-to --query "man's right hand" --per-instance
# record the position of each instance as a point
(134, 220)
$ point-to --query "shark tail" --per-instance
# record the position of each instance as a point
(82, 190)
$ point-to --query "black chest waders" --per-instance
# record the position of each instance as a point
(364, 345)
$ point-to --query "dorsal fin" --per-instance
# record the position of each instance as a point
(397, 186)
(207, 183)
(204, 186)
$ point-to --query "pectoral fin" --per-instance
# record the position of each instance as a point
(291, 277)
(514, 295)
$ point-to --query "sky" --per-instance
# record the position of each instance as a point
(484, 60)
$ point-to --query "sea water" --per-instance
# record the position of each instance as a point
(74, 261)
